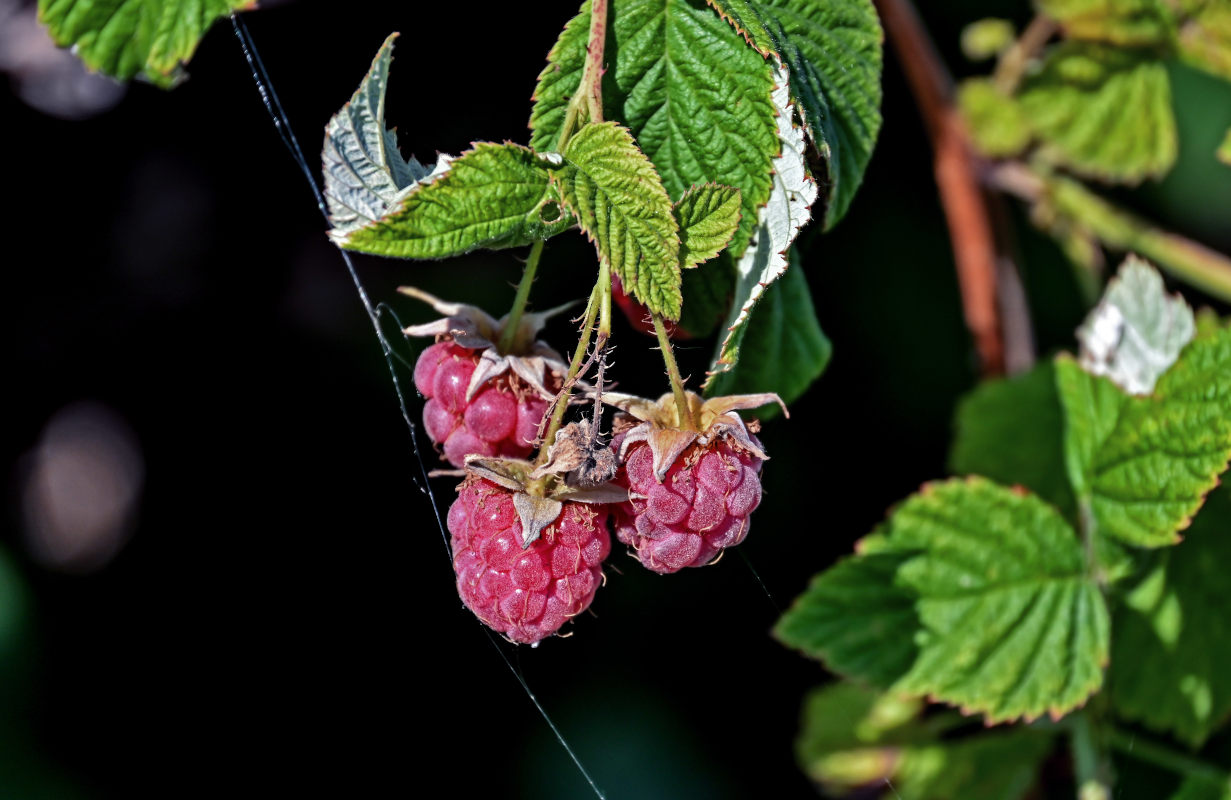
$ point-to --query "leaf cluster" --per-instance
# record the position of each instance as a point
(1079, 553)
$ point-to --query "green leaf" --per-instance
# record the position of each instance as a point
(853, 738)
(496, 195)
(1137, 330)
(1172, 634)
(1012, 431)
(694, 95)
(125, 38)
(1142, 465)
(857, 619)
(832, 50)
(707, 216)
(1104, 112)
(1200, 787)
(1007, 622)
(998, 125)
(987, 38)
(1224, 149)
(791, 351)
(1205, 37)
(621, 204)
(778, 223)
(1122, 22)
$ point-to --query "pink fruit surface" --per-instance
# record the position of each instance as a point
(524, 594)
(500, 420)
(701, 507)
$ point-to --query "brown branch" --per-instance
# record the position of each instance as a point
(957, 168)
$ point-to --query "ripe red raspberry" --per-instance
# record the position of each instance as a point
(481, 400)
(525, 594)
(501, 419)
(701, 507)
(692, 482)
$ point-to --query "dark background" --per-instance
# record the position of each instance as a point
(283, 617)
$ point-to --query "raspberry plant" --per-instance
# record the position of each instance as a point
(1065, 583)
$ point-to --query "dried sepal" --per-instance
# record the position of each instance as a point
(535, 513)
(530, 359)
(715, 418)
(537, 506)
(580, 456)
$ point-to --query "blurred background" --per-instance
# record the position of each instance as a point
(216, 570)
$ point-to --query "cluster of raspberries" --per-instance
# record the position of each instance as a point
(673, 515)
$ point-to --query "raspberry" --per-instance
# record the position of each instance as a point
(528, 593)
(481, 401)
(701, 507)
(501, 419)
(691, 484)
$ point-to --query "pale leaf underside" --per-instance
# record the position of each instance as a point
(778, 223)
(1137, 330)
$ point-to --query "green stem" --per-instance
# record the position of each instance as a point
(1089, 762)
(1162, 756)
(604, 305)
(589, 94)
(513, 321)
(579, 357)
(673, 372)
(1187, 260)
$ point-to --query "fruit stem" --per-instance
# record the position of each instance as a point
(579, 355)
(673, 372)
(513, 320)
(1090, 763)
(589, 92)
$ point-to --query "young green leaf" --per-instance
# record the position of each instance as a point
(496, 195)
(1142, 465)
(987, 38)
(621, 204)
(998, 125)
(791, 349)
(1204, 36)
(832, 51)
(707, 216)
(1007, 621)
(124, 38)
(1122, 22)
(1171, 639)
(693, 94)
(1012, 431)
(1137, 330)
(1104, 112)
(778, 223)
(853, 737)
